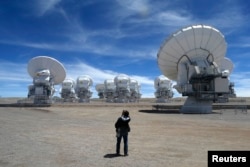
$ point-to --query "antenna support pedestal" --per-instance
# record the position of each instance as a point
(194, 106)
(162, 100)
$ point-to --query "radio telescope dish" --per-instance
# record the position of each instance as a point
(83, 85)
(193, 42)
(163, 87)
(57, 71)
(100, 88)
(227, 68)
(109, 90)
(135, 94)
(122, 83)
(68, 90)
(194, 56)
(46, 72)
(227, 64)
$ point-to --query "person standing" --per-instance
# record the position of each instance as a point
(122, 129)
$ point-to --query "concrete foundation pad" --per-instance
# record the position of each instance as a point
(194, 106)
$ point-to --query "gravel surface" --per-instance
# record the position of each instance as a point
(84, 136)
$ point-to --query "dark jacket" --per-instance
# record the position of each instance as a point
(122, 125)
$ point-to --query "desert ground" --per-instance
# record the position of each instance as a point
(83, 135)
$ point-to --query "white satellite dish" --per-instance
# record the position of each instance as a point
(110, 90)
(163, 87)
(135, 94)
(83, 85)
(121, 89)
(197, 41)
(192, 56)
(100, 88)
(68, 90)
(162, 81)
(227, 64)
(46, 72)
(227, 68)
(84, 81)
(134, 85)
(57, 71)
(122, 83)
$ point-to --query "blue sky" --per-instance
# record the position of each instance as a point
(104, 38)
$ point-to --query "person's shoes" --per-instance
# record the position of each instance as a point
(118, 154)
(125, 155)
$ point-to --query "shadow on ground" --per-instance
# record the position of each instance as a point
(174, 111)
(170, 111)
(113, 155)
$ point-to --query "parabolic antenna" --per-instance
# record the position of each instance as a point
(68, 90)
(134, 83)
(68, 83)
(109, 90)
(162, 80)
(39, 63)
(99, 87)
(122, 82)
(194, 56)
(122, 78)
(163, 88)
(193, 42)
(83, 85)
(226, 64)
(84, 81)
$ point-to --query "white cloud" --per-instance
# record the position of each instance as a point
(14, 79)
(13, 72)
(172, 18)
(79, 39)
(241, 82)
(139, 6)
(45, 6)
(241, 42)
(100, 49)
(99, 75)
(80, 68)
(228, 18)
(143, 80)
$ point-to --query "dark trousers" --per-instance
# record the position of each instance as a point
(125, 140)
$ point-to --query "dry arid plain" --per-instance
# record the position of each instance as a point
(83, 135)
